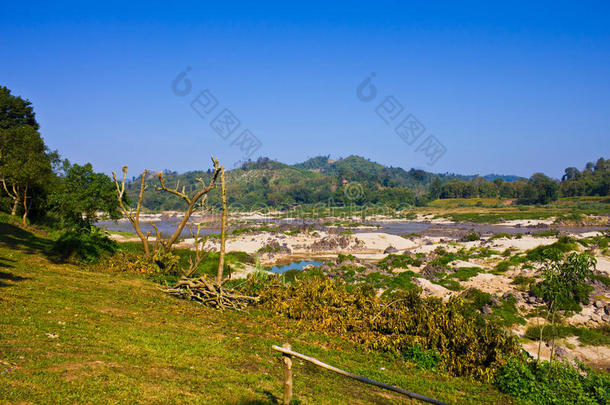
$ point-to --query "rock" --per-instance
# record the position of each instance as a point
(390, 250)
(486, 310)
(531, 299)
(598, 304)
(429, 272)
(495, 302)
(273, 247)
(334, 242)
(507, 295)
(560, 351)
(607, 309)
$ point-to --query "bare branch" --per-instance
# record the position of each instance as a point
(191, 201)
(134, 219)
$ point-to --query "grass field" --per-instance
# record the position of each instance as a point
(493, 210)
(71, 335)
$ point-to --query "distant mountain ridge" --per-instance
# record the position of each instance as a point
(272, 183)
(325, 164)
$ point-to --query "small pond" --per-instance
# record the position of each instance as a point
(294, 266)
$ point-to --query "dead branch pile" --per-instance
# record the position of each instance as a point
(210, 294)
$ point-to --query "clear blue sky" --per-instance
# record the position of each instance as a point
(507, 88)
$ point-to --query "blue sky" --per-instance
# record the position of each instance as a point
(506, 88)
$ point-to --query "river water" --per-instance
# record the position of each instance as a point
(167, 225)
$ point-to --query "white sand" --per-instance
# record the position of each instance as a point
(527, 222)
(603, 264)
(523, 243)
(381, 241)
(490, 283)
(429, 289)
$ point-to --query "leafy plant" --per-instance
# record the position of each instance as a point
(552, 383)
(84, 247)
(393, 261)
(564, 285)
(466, 344)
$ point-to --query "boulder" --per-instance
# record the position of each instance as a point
(390, 250)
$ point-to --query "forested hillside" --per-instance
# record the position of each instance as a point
(356, 180)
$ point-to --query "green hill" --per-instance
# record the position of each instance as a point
(267, 182)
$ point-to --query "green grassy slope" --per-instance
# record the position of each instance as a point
(80, 336)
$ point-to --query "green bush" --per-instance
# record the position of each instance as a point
(393, 261)
(507, 313)
(477, 298)
(523, 282)
(83, 247)
(472, 236)
(552, 383)
(552, 252)
(502, 266)
(587, 336)
(425, 359)
(564, 286)
(466, 344)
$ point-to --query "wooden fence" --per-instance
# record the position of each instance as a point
(288, 354)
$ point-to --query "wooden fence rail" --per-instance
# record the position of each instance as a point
(287, 354)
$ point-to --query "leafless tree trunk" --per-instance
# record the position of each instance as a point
(223, 226)
(14, 209)
(14, 196)
(134, 219)
(199, 253)
(191, 201)
(25, 205)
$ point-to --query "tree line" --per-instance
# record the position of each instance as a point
(36, 184)
(594, 180)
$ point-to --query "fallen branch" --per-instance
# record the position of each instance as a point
(210, 294)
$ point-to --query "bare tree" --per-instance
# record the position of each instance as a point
(128, 211)
(191, 201)
(223, 226)
(14, 195)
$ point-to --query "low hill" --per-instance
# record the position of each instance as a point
(266, 182)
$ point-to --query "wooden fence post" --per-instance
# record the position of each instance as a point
(287, 375)
(288, 354)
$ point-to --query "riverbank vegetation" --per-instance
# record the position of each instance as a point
(403, 335)
(83, 305)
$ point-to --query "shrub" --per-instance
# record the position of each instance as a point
(552, 383)
(465, 273)
(393, 261)
(83, 247)
(564, 286)
(523, 282)
(131, 262)
(587, 336)
(466, 344)
(471, 237)
(507, 313)
(552, 252)
(502, 266)
(343, 258)
(477, 298)
(426, 359)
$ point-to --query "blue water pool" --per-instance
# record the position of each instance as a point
(294, 266)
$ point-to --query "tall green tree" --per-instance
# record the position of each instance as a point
(26, 164)
(436, 187)
(25, 167)
(540, 189)
(15, 111)
(81, 194)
